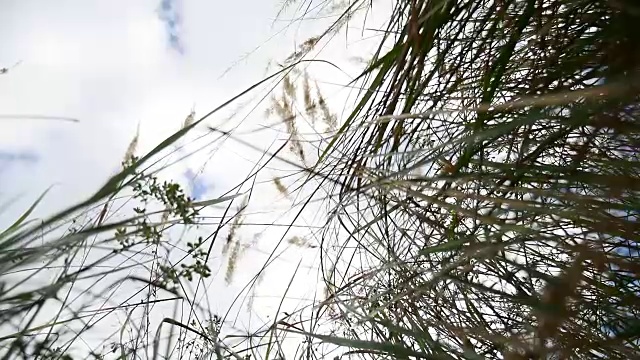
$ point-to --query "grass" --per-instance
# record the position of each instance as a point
(114, 253)
(487, 208)
(482, 202)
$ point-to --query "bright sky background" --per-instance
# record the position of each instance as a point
(119, 64)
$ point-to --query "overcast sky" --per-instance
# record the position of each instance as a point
(119, 64)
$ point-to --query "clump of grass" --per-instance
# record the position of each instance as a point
(283, 108)
(496, 248)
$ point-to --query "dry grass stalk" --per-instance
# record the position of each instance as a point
(254, 289)
(231, 263)
(309, 104)
(283, 108)
(289, 88)
(189, 119)
(327, 116)
(251, 299)
(237, 222)
(280, 187)
(298, 241)
(303, 49)
(133, 146)
(234, 246)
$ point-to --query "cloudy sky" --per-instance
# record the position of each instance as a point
(83, 76)
(116, 65)
(112, 65)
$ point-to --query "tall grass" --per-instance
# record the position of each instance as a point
(487, 185)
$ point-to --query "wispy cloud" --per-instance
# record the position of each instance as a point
(197, 184)
(11, 156)
(169, 14)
